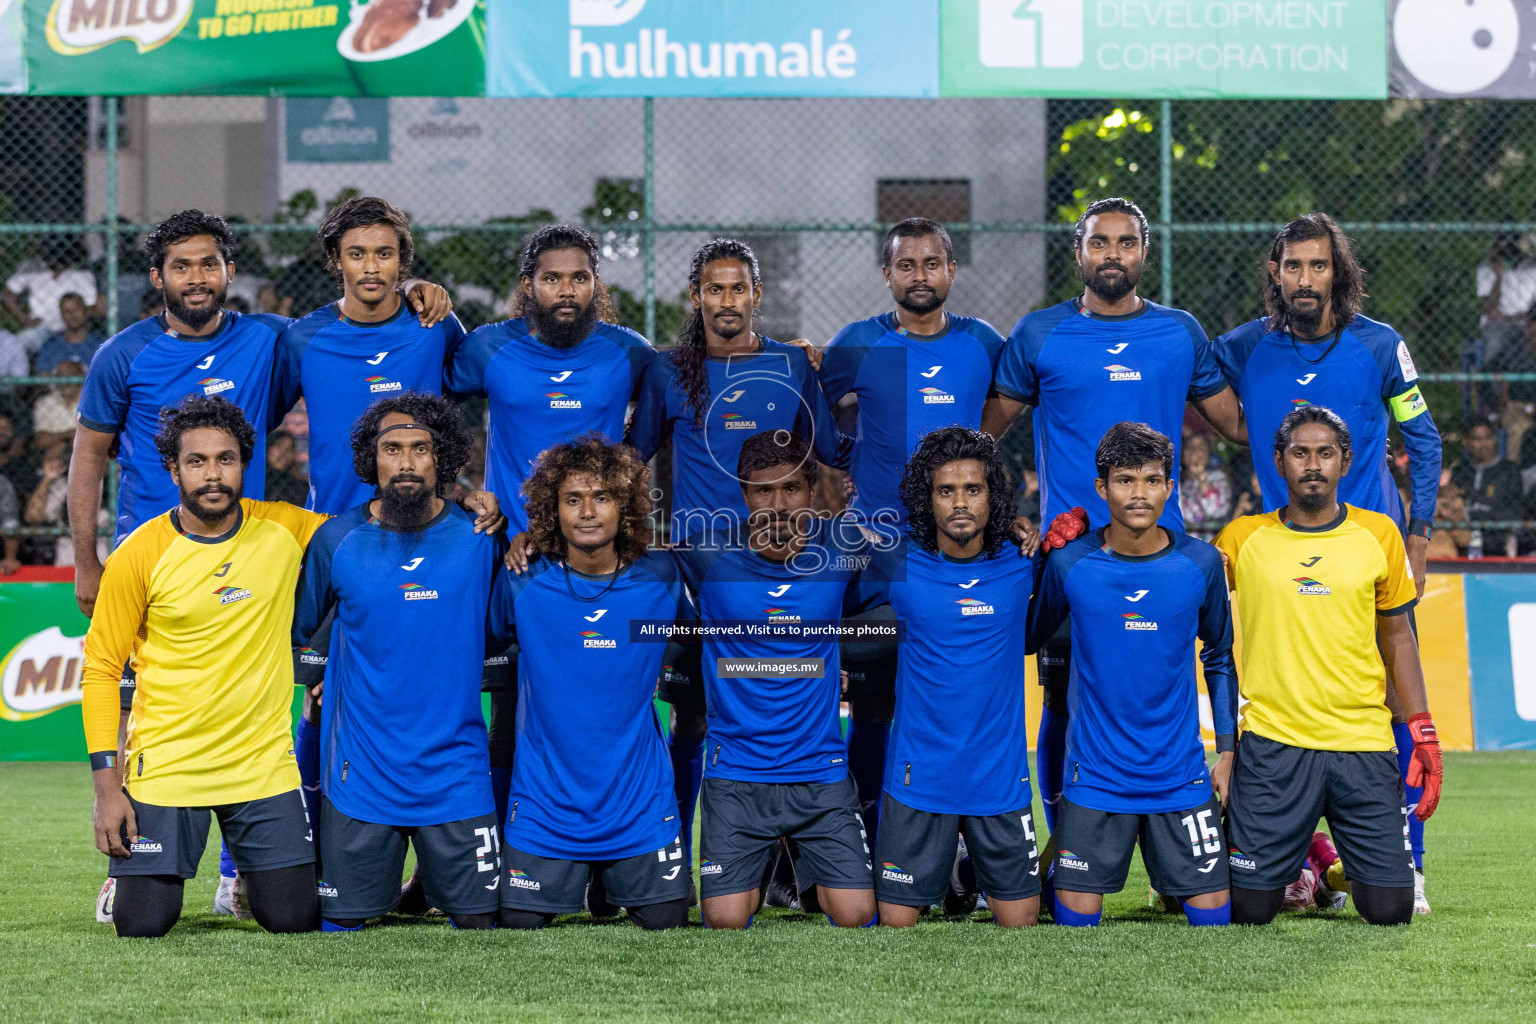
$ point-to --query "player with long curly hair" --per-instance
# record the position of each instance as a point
(621, 477)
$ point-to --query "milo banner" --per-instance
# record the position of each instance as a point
(13, 67)
(42, 636)
(227, 47)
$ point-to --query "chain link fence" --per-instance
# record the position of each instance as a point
(1436, 195)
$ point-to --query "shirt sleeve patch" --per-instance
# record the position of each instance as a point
(1410, 403)
(1405, 363)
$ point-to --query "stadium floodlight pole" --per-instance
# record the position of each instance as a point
(1165, 206)
(109, 105)
(648, 223)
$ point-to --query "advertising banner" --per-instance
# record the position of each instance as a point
(712, 48)
(229, 47)
(1501, 634)
(42, 637)
(1192, 49)
(13, 65)
(1471, 48)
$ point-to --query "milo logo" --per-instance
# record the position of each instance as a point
(40, 675)
(80, 26)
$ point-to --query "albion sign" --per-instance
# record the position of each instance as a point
(79, 26)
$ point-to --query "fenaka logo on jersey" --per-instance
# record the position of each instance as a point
(326, 891)
(592, 638)
(892, 873)
(1238, 859)
(378, 384)
(1308, 585)
(213, 385)
(709, 867)
(736, 421)
(936, 396)
(40, 675)
(1071, 861)
(144, 844)
(561, 400)
(1297, 403)
(80, 26)
(310, 656)
(1138, 623)
(229, 595)
(417, 592)
(974, 606)
(1118, 372)
(520, 880)
(777, 614)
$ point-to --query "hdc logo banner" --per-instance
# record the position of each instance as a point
(712, 48)
(1267, 49)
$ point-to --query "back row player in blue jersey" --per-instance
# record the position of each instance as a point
(1098, 359)
(1313, 347)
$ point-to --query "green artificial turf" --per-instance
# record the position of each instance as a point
(1473, 959)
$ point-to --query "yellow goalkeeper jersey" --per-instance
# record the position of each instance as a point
(1307, 601)
(211, 618)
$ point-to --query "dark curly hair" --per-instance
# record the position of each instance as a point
(562, 236)
(621, 470)
(776, 448)
(197, 411)
(187, 224)
(450, 448)
(952, 444)
(690, 358)
(1312, 414)
(1114, 204)
(1132, 445)
(1348, 275)
(365, 212)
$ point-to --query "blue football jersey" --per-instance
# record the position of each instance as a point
(1133, 738)
(959, 743)
(591, 779)
(147, 367)
(1364, 374)
(770, 729)
(907, 386)
(542, 396)
(344, 366)
(771, 389)
(1084, 373)
(403, 737)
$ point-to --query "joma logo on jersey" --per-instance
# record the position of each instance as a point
(213, 385)
(592, 638)
(142, 844)
(519, 880)
(936, 396)
(892, 873)
(1136, 622)
(310, 656)
(377, 384)
(1118, 372)
(1308, 585)
(229, 595)
(735, 421)
(1070, 861)
(417, 592)
(1238, 859)
(975, 606)
(561, 400)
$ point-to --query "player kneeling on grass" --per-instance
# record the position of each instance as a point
(958, 760)
(1315, 580)
(210, 585)
(1138, 596)
(404, 757)
(592, 796)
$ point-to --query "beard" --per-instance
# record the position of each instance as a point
(196, 319)
(1113, 287)
(405, 506)
(962, 532)
(923, 304)
(1304, 321)
(206, 513)
(1312, 504)
(557, 333)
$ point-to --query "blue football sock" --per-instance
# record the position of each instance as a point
(1204, 918)
(306, 747)
(1051, 761)
(501, 786)
(867, 743)
(332, 926)
(1072, 919)
(226, 862)
(1404, 739)
(687, 776)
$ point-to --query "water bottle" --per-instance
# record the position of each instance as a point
(1475, 544)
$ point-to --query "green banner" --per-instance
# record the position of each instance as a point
(1192, 49)
(42, 637)
(13, 67)
(230, 47)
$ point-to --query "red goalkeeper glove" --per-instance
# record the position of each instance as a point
(1065, 528)
(1426, 768)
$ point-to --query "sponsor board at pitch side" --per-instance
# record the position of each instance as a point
(1261, 49)
(712, 48)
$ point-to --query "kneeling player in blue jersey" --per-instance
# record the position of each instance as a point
(1138, 596)
(776, 765)
(591, 796)
(958, 759)
(404, 752)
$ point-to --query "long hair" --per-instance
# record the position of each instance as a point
(1348, 275)
(365, 212)
(562, 236)
(689, 357)
(954, 444)
(197, 411)
(451, 443)
(622, 472)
